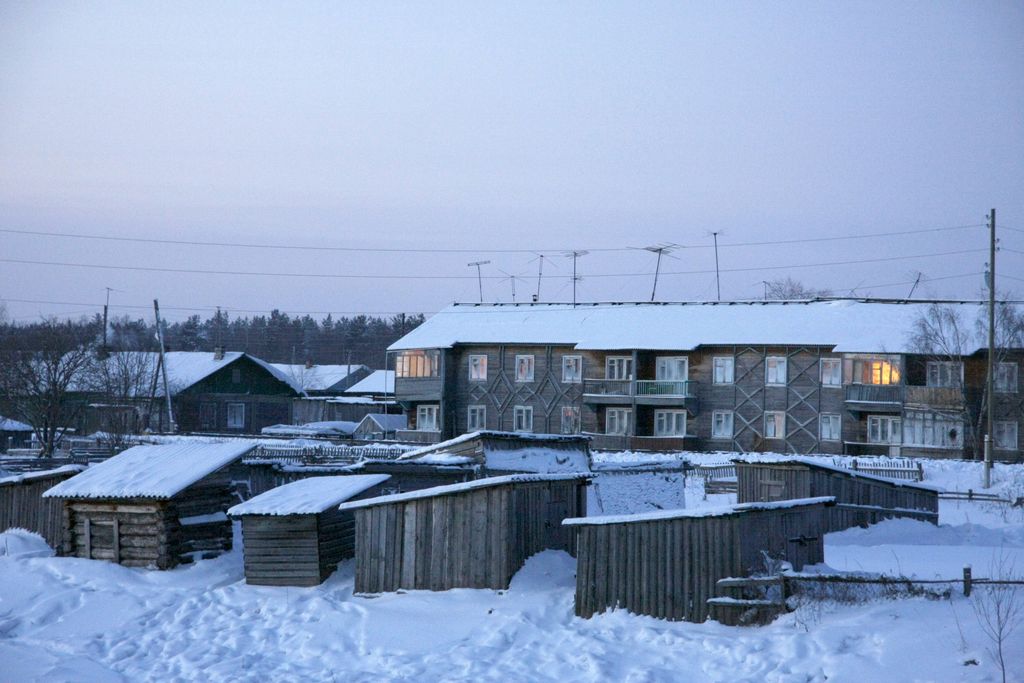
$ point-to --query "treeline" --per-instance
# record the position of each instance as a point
(278, 337)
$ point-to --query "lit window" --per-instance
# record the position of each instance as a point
(831, 372)
(572, 369)
(1005, 436)
(570, 420)
(477, 418)
(775, 370)
(418, 363)
(875, 371)
(524, 368)
(236, 415)
(478, 368)
(831, 428)
(884, 429)
(1006, 378)
(522, 417)
(427, 418)
(669, 422)
(618, 367)
(724, 369)
(944, 373)
(774, 425)
(616, 420)
(721, 424)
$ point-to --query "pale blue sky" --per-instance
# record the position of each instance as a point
(517, 126)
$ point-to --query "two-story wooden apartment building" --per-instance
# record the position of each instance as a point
(821, 376)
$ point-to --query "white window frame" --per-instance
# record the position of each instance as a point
(476, 418)
(664, 366)
(667, 423)
(944, 373)
(527, 361)
(830, 427)
(831, 372)
(1005, 379)
(618, 367)
(930, 429)
(723, 370)
(478, 367)
(575, 376)
(570, 420)
(1001, 439)
(428, 417)
(235, 413)
(887, 371)
(620, 423)
(773, 367)
(889, 430)
(777, 419)
(522, 419)
(723, 419)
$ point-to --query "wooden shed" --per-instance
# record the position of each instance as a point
(666, 564)
(22, 504)
(152, 506)
(295, 535)
(472, 535)
(861, 499)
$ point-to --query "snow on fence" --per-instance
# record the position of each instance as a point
(325, 455)
(893, 469)
(22, 504)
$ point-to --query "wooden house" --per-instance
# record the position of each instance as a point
(472, 535)
(861, 499)
(322, 380)
(666, 564)
(14, 434)
(295, 535)
(152, 506)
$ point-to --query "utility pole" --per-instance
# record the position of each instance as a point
(990, 383)
(765, 283)
(718, 281)
(163, 367)
(479, 278)
(105, 307)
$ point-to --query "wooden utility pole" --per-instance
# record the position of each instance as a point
(990, 383)
(171, 427)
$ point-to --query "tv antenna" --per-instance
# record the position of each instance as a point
(664, 249)
(479, 278)
(575, 254)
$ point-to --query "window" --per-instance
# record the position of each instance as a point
(724, 370)
(1006, 378)
(774, 425)
(831, 428)
(524, 368)
(670, 423)
(671, 369)
(1005, 436)
(478, 368)
(236, 415)
(476, 418)
(944, 373)
(427, 418)
(874, 371)
(572, 369)
(570, 420)
(884, 429)
(522, 418)
(207, 415)
(721, 424)
(618, 367)
(418, 363)
(236, 375)
(616, 420)
(932, 429)
(831, 372)
(775, 370)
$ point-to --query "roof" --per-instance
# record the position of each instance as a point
(41, 474)
(844, 325)
(452, 489)
(378, 382)
(9, 425)
(717, 511)
(308, 496)
(387, 423)
(151, 471)
(818, 464)
(316, 377)
(329, 428)
(510, 452)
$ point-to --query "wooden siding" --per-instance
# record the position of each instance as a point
(470, 539)
(669, 568)
(22, 505)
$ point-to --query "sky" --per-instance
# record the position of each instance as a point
(367, 152)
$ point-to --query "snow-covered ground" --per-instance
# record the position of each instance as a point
(66, 619)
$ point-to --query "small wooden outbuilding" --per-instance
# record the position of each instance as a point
(472, 535)
(22, 504)
(666, 564)
(295, 535)
(497, 453)
(152, 506)
(861, 499)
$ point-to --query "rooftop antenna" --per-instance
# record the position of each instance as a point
(916, 281)
(105, 307)
(718, 281)
(765, 283)
(513, 278)
(540, 274)
(661, 250)
(575, 254)
(479, 278)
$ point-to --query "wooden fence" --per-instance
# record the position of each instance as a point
(893, 469)
(22, 504)
(326, 455)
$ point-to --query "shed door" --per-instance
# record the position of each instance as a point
(801, 540)
(557, 510)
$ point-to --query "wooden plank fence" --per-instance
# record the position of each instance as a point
(326, 455)
(22, 504)
(893, 469)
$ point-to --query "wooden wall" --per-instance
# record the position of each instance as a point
(668, 568)
(296, 550)
(22, 505)
(470, 539)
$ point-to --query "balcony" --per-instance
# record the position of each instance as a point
(653, 392)
(875, 397)
(950, 398)
(418, 436)
(625, 442)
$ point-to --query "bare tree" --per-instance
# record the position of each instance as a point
(120, 384)
(787, 288)
(999, 608)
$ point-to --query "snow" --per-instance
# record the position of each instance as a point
(386, 422)
(23, 543)
(377, 382)
(308, 496)
(328, 428)
(151, 471)
(316, 377)
(527, 454)
(847, 326)
(29, 476)
(718, 511)
(450, 489)
(825, 465)
(10, 425)
(620, 492)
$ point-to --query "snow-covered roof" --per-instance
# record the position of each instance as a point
(819, 464)
(526, 452)
(717, 511)
(308, 496)
(151, 471)
(9, 425)
(42, 474)
(847, 325)
(316, 377)
(388, 423)
(328, 428)
(378, 382)
(462, 487)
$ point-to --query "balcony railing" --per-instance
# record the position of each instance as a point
(874, 393)
(608, 387)
(644, 387)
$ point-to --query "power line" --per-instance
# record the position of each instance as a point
(232, 309)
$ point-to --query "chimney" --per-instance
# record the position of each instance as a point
(309, 364)
(218, 353)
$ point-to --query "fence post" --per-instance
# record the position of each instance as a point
(967, 581)
(920, 472)
(854, 464)
(970, 494)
